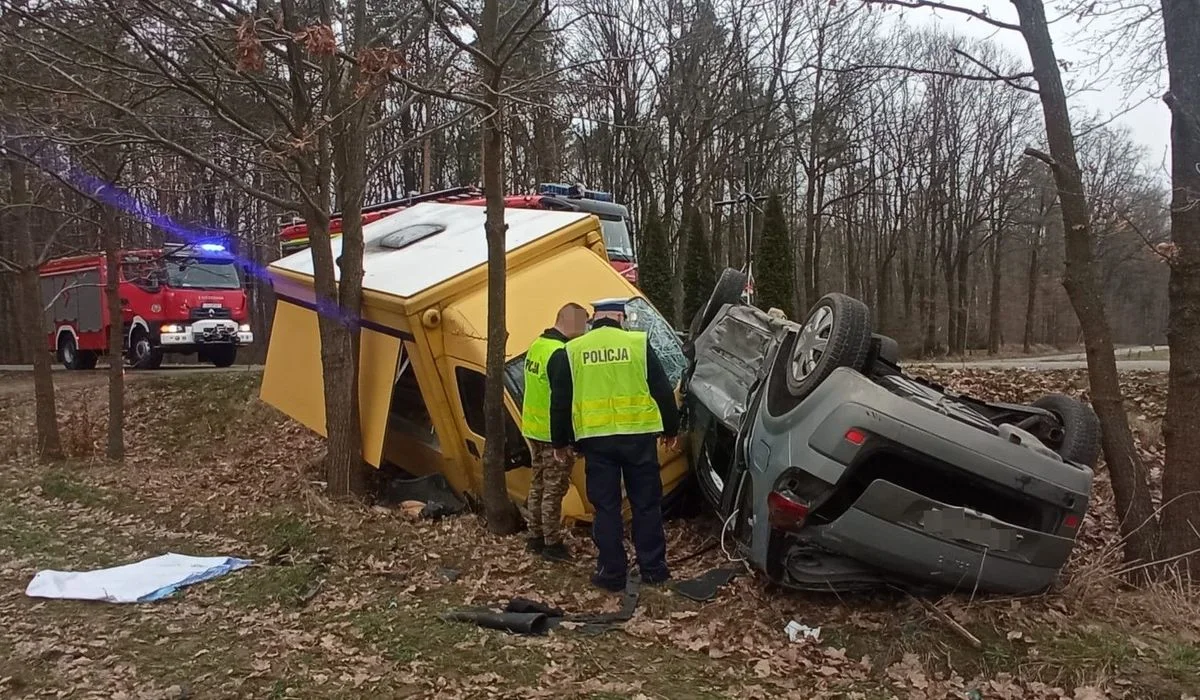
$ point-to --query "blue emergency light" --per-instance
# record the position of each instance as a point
(557, 189)
(212, 247)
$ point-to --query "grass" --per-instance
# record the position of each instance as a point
(320, 620)
(64, 486)
(288, 586)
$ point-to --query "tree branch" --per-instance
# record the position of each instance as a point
(932, 4)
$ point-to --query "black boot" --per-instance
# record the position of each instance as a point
(535, 545)
(557, 552)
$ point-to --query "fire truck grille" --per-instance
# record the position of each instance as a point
(205, 314)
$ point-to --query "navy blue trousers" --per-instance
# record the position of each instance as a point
(634, 457)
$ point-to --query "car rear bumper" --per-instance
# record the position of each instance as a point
(915, 537)
(925, 497)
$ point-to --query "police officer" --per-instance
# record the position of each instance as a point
(612, 405)
(550, 472)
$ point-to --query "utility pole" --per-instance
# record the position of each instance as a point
(749, 201)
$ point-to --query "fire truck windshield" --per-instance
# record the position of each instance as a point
(616, 240)
(200, 274)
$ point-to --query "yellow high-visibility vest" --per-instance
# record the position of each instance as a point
(535, 407)
(611, 391)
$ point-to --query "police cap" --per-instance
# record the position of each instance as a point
(610, 305)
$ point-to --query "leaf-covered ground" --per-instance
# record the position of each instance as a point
(344, 600)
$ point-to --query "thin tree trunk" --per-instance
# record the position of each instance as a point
(1181, 477)
(1130, 480)
(994, 297)
(501, 514)
(111, 233)
(1031, 295)
(49, 443)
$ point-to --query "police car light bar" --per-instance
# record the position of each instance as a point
(557, 189)
(212, 247)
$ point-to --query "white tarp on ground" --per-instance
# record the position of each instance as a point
(140, 582)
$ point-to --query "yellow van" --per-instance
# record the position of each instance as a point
(424, 332)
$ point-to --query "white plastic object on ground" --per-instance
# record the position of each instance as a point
(140, 582)
(796, 632)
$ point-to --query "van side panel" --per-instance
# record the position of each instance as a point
(377, 356)
(293, 378)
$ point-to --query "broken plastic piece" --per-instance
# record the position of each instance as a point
(796, 632)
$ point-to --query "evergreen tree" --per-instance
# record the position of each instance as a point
(654, 266)
(699, 275)
(774, 274)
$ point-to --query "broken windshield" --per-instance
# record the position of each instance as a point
(641, 316)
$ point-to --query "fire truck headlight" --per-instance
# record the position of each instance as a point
(244, 328)
(171, 328)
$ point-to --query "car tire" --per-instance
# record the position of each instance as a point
(730, 286)
(1080, 426)
(142, 353)
(836, 333)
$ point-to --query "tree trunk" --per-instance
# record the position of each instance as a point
(49, 444)
(994, 297)
(111, 233)
(962, 267)
(502, 516)
(1031, 295)
(1129, 475)
(1181, 477)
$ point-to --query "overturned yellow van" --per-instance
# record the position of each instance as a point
(424, 323)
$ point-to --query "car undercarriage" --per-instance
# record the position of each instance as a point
(832, 469)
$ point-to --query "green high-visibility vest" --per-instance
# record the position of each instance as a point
(611, 393)
(535, 407)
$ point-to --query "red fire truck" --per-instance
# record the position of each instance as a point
(614, 218)
(179, 299)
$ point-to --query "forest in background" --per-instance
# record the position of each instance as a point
(898, 181)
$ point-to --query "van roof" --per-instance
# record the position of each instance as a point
(418, 248)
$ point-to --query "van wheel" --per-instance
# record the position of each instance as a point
(837, 333)
(142, 353)
(222, 355)
(72, 357)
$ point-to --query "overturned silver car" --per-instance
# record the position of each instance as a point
(833, 470)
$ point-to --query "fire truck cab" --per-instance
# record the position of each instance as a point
(614, 218)
(181, 299)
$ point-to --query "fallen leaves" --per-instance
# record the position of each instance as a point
(373, 628)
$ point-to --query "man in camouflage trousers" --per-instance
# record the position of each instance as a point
(544, 359)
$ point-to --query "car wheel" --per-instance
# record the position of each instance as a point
(837, 333)
(729, 289)
(1080, 428)
(142, 353)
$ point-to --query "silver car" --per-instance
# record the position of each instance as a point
(832, 469)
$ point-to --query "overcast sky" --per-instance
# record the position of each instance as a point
(1139, 108)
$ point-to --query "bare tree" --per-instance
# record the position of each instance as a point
(1181, 480)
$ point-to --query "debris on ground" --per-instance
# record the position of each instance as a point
(705, 587)
(797, 631)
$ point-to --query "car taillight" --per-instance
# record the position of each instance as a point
(1070, 522)
(785, 510)
(854, 436)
